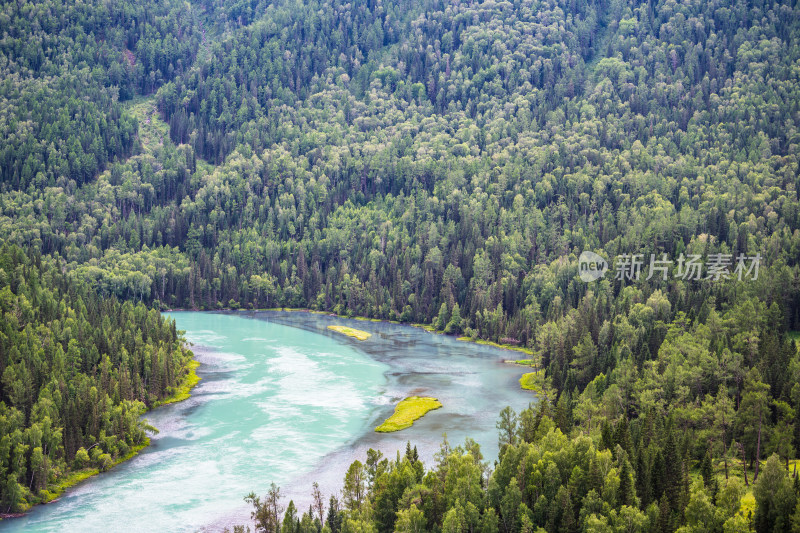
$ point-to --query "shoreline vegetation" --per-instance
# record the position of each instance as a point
(73, 403)
(533, 381)
(55, 490)
(407, 412)
(184, 389)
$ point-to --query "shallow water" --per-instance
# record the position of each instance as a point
(284, 399)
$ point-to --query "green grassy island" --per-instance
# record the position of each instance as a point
(407, 411)
(351, 332)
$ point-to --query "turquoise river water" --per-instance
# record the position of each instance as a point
(285, 400)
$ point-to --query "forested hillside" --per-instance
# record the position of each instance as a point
(442, 163)
(65, 67)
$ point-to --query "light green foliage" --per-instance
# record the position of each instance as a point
(532, 381)
(410, 520)
(354, 490)
(775, 497)
(81, 458)
(406, 412)
(351, 332)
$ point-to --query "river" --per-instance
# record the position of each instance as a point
(284, 399)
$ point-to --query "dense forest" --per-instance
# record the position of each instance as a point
(543, 481)
(78, 372)
(432, 162)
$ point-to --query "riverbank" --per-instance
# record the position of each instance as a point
(73, 478)
(426, 327)
(183, 390)
(55, 490)
(533, 360)
(535, 382)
